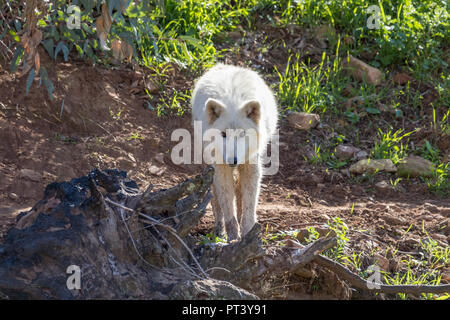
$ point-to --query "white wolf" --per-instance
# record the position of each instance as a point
(234, 100)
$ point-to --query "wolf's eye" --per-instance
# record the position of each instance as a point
(224, 134)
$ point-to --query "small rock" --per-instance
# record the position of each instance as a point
(384, 186)
(438, 236)
(362, 71)
(30, 175)
(49, 176)
(412, 243)
(13, 196)
(303, 120)
(160, 158)
(157, 171)
(414, 166)
(391, 220)
(372, 165)
(346, 152)
(402, 78)
(361, 155)
(132, 158)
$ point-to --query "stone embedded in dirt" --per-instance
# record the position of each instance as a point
(361, 155)
(384, 186)
(157, 171)
(439, 237)
(346, 152)
(362, 71)
(415, 166)
(49, 176)
(30, 175)
(159, 157)
(402, 78)
(132, 158)
(303, 120)
(372, 165)
(410, 243)
(392, 220)
(13, 196)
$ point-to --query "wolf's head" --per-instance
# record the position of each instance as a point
(235, 130)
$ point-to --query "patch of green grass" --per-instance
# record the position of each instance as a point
(411, 32)
(341, 230)
(175, 103)
(182, 32)
(442, 126)
(310, 88)
(439, 183)
(424, 269)
(211, 238)
(135, 136)
(389, 145)
(430, 152)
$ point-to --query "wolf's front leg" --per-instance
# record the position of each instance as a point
(219, 223)
(224, 192)
(250, 179)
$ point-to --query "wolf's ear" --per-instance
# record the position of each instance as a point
(214, 109)
(252, 110)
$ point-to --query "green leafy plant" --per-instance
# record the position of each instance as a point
(390, 145)
(304, 88)
(439, 183)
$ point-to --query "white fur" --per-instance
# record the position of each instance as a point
(230, 97)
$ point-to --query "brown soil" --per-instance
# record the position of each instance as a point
(34, 136)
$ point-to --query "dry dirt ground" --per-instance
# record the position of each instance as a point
(58, 144)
